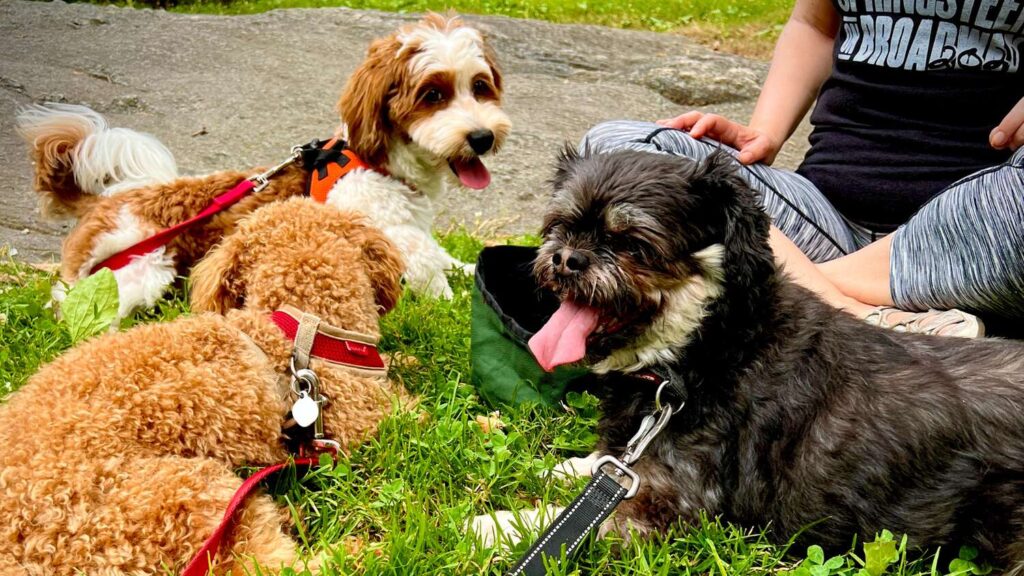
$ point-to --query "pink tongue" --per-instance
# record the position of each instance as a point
(472, 173)
(564, 338)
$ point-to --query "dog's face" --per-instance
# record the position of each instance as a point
(428, 94)
(634, 246)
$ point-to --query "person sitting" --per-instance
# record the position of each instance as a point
(908, 208)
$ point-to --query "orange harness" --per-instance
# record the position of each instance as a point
(327, 164)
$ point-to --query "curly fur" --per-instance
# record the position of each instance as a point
(117, 457)
(105, 186)
(796, 415)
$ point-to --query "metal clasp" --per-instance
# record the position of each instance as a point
(621, 470)
(326, 445)
(305, 381)
(650, 427)
(262, 180)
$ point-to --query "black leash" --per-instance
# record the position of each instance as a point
(572, 526)
(601, 496)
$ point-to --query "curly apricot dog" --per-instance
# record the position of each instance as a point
(117, 457)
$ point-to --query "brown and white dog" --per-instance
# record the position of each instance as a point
(425, 106)
(420, 111)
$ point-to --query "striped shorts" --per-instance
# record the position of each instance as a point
(963, 249)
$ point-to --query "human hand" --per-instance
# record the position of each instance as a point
(1010, 132)
(753, 145)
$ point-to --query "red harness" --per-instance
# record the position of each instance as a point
(333, 345)
(330, 345)
(327, 162)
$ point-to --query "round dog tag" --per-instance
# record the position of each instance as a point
(305, 410)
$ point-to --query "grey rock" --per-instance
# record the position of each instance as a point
(703, 80)
(235, 91)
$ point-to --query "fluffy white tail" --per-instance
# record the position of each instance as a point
(79, 157)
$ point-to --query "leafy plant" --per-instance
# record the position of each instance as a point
(964, 563)
(878, 555)
(90, 306)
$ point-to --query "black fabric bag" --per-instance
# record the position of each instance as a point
(508, 308)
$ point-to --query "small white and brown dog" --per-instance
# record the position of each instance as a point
(420, 111)
(424, 107)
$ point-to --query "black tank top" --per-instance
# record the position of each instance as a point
(916, 87)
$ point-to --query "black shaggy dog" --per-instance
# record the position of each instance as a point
(796, 414)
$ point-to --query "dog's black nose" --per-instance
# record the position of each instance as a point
(568, 262)
(480, 140)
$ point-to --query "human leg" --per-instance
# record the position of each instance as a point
(965, 248)
(862, 275)
(859, 284)
(809, 275)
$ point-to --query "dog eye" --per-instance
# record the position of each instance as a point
(433, 96)
(480, 88)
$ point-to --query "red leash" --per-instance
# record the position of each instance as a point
(203, 560)
(161, 238)
(329, 162)
(329, 344)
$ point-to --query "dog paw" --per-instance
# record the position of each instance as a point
(444, 293)
(465, 268)
(625, 528)
(505, 528)
(434, 286)
(573, 468)
(490, 529)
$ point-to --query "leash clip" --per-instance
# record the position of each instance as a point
(308, 408)
(650, 427)
(262, 180)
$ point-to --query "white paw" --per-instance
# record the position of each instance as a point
(575, 467)
(436, 286)
(464, 267)
(505, 528)
(495, 527)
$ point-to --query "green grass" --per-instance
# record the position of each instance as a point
(658, 15)
(745, 27)
(398, 505)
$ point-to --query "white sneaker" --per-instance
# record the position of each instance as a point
(936, 322)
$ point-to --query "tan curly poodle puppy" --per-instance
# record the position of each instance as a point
(118, 457)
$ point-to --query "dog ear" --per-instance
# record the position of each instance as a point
(215, 283)
(364, 101)
(384, 264)
(565, 165)
(748, 257)
(492, 61)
